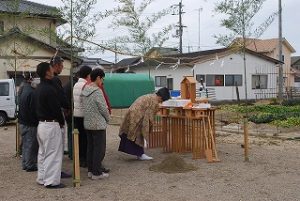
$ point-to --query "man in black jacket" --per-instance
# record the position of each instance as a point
(51, 123)
(28, 124)
(57, 66)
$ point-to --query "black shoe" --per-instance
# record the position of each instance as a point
(31, 169)
(65, 175)
(105, 170)
(56, 186)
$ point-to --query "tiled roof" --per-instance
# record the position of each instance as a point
(29, 8)
(264, 45)
(17, 32)
(162, 51)
(95, 62)
(128, 62)
(187, 59)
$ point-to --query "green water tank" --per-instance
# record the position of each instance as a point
(124, 88)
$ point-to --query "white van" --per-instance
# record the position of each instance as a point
(7, 100)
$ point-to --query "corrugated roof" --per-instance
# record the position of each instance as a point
(30, 8)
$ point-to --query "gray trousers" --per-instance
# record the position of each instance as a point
(29, 146)
(50, 153)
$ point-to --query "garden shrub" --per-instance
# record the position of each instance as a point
(291, 102)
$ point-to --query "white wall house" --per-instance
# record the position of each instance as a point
(221, 71)
(225, 73)
(165, 76)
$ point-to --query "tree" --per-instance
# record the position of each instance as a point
(83, 22)
(128, 15)
(239, 19)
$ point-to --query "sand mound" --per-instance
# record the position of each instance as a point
(173, 164)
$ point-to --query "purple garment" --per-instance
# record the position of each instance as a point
(129, 147)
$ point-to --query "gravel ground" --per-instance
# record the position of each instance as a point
(272, 174)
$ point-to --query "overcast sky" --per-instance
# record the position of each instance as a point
(209, 23)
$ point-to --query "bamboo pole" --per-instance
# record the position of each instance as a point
(246, 140)
(76, 168)
(18, 140)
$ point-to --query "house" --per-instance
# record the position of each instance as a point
(28, 37)
(221, 69)
(96, 63)
(296, 70)
(270, 48)
(224, 72)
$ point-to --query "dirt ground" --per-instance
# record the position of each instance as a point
(271, 175)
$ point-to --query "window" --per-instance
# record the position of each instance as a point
(259, 81)
(214, 80)
(1, 27)
(199, 77)
(170, 83)
(297, 79)
(4, 89)
(160, 81)
(233, 80)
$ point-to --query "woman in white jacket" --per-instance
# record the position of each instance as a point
(84, 79)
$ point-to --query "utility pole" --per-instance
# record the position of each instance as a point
(280, 73)
(199, 11)
(180, 26)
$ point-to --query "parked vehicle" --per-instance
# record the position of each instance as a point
(7, 100)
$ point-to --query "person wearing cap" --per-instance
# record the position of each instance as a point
(138, 121)
(49, 130)
(84, 78)
(28, 124)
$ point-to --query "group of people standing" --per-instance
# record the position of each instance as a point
(43, 130)
(91, 116)
(42, 112)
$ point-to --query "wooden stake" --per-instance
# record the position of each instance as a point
(246, 139)
(208, 150)
(18, 140)
(76, 165)
(213, 143)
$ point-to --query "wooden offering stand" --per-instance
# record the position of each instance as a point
(185, 129)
